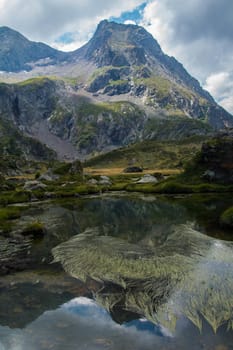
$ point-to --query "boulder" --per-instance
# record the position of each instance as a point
(147, 178)
(48, 176)
(104, 180)
(133, 169)
(34, 185)
(92, 182)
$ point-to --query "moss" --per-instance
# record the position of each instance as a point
(17, 196)
(7, 217)
(226, 218)
(35, 229)
(117, 82)
(161, 85)
(9, 213)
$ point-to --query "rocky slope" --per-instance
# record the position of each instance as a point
(77, 126)
(118, 89)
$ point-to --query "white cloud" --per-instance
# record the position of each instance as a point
(220, 85)
(46, 20)
(198, 33)
(129, 21)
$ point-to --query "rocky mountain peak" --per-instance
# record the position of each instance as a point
(119, 45)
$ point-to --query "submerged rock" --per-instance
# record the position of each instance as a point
(14, 254)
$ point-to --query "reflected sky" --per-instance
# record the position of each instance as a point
(147, 227)
(82, 324)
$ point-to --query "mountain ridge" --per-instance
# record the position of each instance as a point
(117, 89)
(17, 53)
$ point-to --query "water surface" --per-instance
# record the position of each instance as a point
(132, 303)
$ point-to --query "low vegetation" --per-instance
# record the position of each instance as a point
(149, 154)
(226, 218)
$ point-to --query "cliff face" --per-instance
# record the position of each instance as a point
(77, 126)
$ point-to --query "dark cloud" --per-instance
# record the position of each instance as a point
(199, 33)
(194, 19)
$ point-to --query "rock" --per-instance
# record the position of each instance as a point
(104, 180)
(119, 89)
(147, 178)
(158, 176)
(133, 169)
(48, 176)
(208, 175)
(34, 185)
(92, 182)
(14, 255)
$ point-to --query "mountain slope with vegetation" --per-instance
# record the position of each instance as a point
(118, 89)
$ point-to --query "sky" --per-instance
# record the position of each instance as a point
(199, 33)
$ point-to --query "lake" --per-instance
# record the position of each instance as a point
(122, 272)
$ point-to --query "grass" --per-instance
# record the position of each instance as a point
(119, 171)
(161, 85)
(37, 81)
(8, 215)
(226, 219)
(149, 155)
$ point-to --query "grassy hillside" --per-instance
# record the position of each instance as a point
(149, 154)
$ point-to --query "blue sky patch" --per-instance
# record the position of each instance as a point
(135, 15)
(66, 38)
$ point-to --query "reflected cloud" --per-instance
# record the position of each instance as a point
(80, 321)
(83, 324)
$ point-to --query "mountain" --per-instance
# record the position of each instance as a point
(118, 89)
(18, 53)
(132, 47)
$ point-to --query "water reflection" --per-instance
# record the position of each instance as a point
(82, 324)
(186, 274)
(151, 270)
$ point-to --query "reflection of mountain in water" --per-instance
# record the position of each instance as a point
(186, 273)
